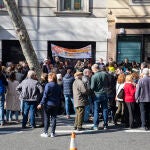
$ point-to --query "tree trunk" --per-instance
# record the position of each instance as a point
(23, 36)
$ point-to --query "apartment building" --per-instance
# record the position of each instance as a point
(129, 30)
(71, 25)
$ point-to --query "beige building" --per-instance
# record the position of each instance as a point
(71, 24)
(129, 30)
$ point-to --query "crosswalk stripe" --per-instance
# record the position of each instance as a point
(10, 132)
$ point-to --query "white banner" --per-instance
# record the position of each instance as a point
(81, 53)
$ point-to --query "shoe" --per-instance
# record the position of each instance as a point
(105, 127)
(45, 135)
(80, 129)
(52, 135)
(74, 128)
(95, 128)
(68, 116)
(2, 123)
(24, 127)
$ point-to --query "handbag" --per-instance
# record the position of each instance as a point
(121, 94)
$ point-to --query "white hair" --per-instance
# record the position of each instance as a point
(145, 71)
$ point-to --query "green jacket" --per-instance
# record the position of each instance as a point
(99, 82)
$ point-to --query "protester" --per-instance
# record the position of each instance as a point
(86, 78)
(3, 84)
(120, 102)
(50, 103)
(129, 90)
(29, 90)
(80, 100)
(142, 97)
(99, 85)
(12, 104)
(68, 80)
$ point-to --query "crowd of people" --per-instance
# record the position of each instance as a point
(91, 91)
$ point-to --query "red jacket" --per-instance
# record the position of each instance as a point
(129, 91)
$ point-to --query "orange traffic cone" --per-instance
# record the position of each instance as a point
(73, 142)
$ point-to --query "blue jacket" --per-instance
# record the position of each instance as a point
(51, 95)
(68, 80)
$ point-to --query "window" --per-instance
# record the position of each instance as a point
(72, 5)
(141, 1)
(1, 4)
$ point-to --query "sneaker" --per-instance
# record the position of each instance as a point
(52, 135)
(105, 127)
(45, 135)
(80, 129)
(95, 128)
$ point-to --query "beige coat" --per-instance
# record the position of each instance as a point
(79, 93)
(12, 98)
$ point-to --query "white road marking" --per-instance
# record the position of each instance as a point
(136, 130)
(10, 132)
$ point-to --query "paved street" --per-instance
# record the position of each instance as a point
(12, 137)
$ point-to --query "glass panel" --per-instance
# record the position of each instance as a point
(77, 4)
(67, 4)
(129, 47)
(141, 1)
(1, 4)
(147, 48)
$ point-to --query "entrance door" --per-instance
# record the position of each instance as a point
(129, 47)
(147, 48)
(11, 51)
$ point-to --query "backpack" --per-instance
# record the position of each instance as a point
(2, 87)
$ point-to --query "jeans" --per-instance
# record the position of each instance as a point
(68, 98)
(2, 108)
(145, 114)
(87, 110)
(100, 100)
(50, 113)
(9, 114)
(29, 106)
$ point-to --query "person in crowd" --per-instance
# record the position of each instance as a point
(56, 62)
(126, 65)
(101, 63)
(80, 100)
(43, 82)
(45, 66)
(86, 78)
(99, 85)
(142, 97)
(12, 104)
(111, 93)
(111, 67)
(29, 90)
(25, 69)
(68, 80)
(19, 74)
(50, 103)
(79, 66)
(120, 102)
(129, 98)
(3, 85)
(142, 66)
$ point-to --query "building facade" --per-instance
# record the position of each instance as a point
(129, 30)
(66, 23)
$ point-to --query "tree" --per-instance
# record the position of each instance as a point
(23, 36)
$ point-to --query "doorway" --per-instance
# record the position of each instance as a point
(11, 52)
